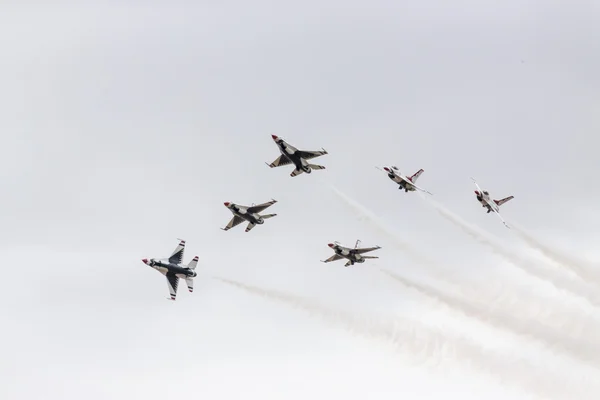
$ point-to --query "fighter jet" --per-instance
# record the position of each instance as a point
(486, 201)
(172, 269)
(291, 155)
(404, 182)
(352, 255)
(250, 214)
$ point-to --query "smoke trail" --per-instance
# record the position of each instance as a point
(586, 352)
(412, 340)
(559, 281)
(561, 259)
(381, 226)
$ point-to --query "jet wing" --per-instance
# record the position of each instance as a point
(177, 256)
(421, 189)
(260, 207)
(280, 161)
(502, 219)
(307, 155)
(366, 250)
(411, 183)
(334, 257)
(478, 188)
(172, 282)
(234, 222)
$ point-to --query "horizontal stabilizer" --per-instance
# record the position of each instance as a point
(190, 284)
(268, 216)
(315, 166)
(296, 172)
(192, 265)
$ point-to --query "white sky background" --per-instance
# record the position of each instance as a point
(127, 126)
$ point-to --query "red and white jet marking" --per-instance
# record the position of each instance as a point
(486, 201)
(408, 183)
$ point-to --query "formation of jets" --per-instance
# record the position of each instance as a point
(173, 269)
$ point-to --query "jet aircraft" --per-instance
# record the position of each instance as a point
(486, 201)
(291, 155)
(173, 269)
(408, 183)
(250, 214)
(354, 255)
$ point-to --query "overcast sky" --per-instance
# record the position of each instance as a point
(125, 127)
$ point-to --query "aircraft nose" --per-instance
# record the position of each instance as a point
(477, 193)
(274, 137)
(386, 169)
(330, 245)
(227, 204)
(145, 260)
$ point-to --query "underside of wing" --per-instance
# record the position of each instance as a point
(177, 256)
(260, 207)
(234, 222)
(334, 257)
(280, 161)
(307, 155)
(366, 249)
(172, 282)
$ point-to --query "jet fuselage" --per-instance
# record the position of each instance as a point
(402, 184)
(348, 254)
(242, 213)
(484, 199)
(291, 153)
(167, 267)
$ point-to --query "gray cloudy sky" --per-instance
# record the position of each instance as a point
(126, 126)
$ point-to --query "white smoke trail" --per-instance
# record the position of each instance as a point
(566, 318)
(584, 272)
(558, 280)
(377, 223)
(583, 350)
(418, 342)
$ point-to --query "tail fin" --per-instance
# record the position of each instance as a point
(268, 216)
(192, 265)
(504, 200)
(416, 175)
